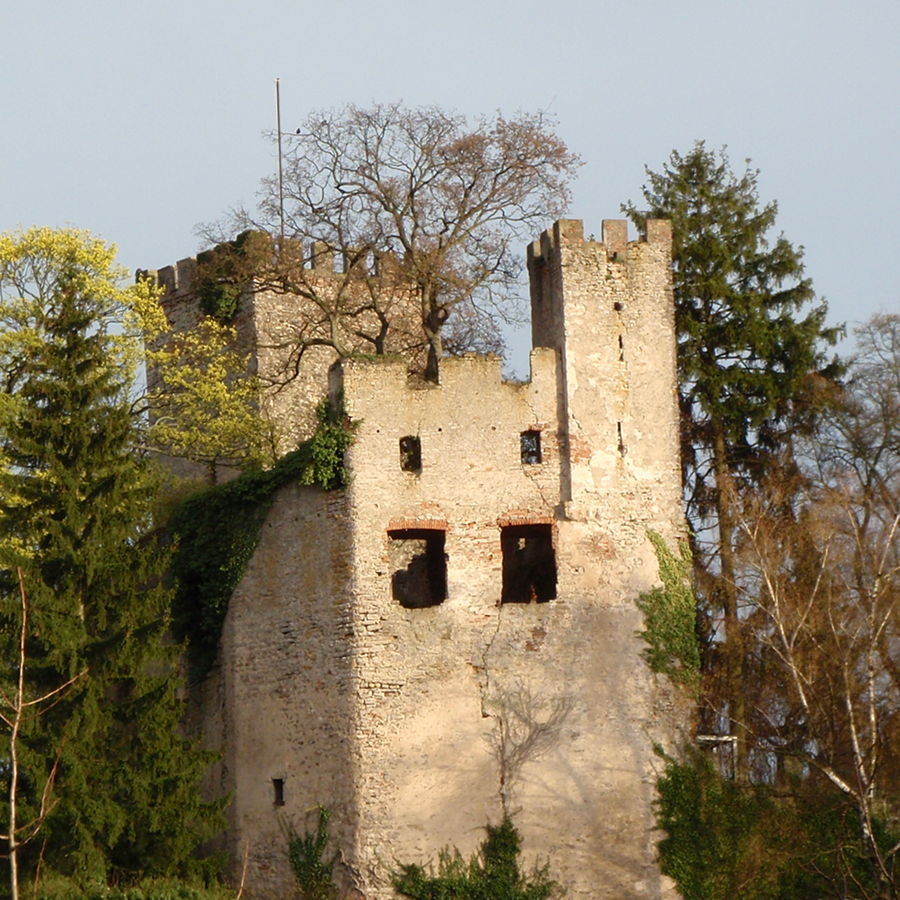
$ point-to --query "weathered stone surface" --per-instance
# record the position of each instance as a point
(392, 714)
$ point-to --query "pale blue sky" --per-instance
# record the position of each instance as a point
(140, 120)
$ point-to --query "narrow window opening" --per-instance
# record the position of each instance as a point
(529, 564)
(621, 348)
(410, 454)
(419, 567)
(530, 445)
(278, 789)
(622, 450)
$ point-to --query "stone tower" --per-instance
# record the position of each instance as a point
(454, 636)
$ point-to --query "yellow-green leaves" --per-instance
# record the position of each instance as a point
(203, 402)
(198, 400)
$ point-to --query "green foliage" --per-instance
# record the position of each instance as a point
(670, 616)
(225, 271)
(798, 841)
(745, 342)
(491, 874)
(75, 505)
(750, 347)
(306, 854)
(218, 529)
(153, 889)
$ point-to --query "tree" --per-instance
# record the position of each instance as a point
(17, 707)
(75, 502)
(824, 578)
(750, 336)
(818, 573)
(438, 204)
(201, 401)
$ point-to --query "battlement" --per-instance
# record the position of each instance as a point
(460, 377)
(316, 259)
(614, 238)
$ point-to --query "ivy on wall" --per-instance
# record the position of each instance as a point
(670, 616)
(217, 531)
(225, 271)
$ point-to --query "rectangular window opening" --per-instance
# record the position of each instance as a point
(411, 453)
(529, 564)
(278, 790)
(621, 348)
(418, 567)
(530, 446)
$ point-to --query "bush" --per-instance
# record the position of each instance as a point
(155, 889)
(491, 874)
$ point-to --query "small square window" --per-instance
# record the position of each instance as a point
(530, 446)
(410, 454)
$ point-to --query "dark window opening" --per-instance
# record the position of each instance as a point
(419, 567)
(621, 348)
(278, 788)
(530, 444)
(410, 454)
(622, 448)
(529, 564)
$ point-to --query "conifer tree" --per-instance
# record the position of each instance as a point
(75, 519)
(750, 334)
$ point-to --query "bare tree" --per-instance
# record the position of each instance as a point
(16, 708)
(435, 204)
(820, 577)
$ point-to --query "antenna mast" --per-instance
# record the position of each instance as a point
(280, 168)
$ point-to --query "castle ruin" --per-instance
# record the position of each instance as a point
(454, 635)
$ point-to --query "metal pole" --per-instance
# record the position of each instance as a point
(280, 168)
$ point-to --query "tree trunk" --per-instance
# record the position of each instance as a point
(433, 322)
(727, 591)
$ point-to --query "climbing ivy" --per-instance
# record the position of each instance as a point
(218, 529)
(225, 271)
(670, 616)
(306, 854)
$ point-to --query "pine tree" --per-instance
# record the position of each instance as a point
(75, 506)
(750, 335)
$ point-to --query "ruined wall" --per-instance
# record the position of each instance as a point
(566, 673)
(396, 649)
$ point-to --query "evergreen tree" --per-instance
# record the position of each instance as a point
(750, 335)
(75, 518)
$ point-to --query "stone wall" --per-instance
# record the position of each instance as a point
(455, 634)
(291, 330)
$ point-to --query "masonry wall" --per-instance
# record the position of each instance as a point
(417, 723)
(291, 338)
(460, 673)
(279, 705)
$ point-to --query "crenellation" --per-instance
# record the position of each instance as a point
(615, 238)
(659, 231)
